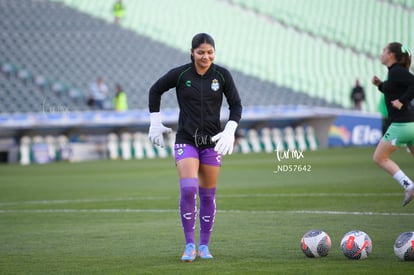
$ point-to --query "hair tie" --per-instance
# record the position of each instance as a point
(404, 49)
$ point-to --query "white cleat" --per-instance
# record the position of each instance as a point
(408, 195)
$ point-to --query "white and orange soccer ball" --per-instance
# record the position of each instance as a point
(316, 243)
(404, 246)
(356, 245)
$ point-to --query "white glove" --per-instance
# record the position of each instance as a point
(157, 129)
(225, 139)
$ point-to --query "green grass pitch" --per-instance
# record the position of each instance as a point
(121, 217)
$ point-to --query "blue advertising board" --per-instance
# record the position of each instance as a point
(355, 130)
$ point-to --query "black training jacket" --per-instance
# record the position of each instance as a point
(199, 98)
(399, 85)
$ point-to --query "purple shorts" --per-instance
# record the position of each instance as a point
(205, 156)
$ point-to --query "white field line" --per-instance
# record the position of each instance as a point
(43, 202)
(356, 195)
(93, 200)
(152, 211)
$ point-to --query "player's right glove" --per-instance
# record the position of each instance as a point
(157, 129)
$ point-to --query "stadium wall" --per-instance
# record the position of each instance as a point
(80, 136)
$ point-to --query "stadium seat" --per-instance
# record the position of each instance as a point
(25, 150)
(289, 138)
(113, 146)
(311, 138)
(138, 145)
(267, 140)
(254, 140)
(149, 149)
(300, 138)
(126, 148)
(243, 145)
(277, 139)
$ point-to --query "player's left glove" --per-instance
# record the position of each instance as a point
(225, 139)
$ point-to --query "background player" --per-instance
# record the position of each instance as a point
(398, 90)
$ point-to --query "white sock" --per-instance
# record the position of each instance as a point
(403, 180)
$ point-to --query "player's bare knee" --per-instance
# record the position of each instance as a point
(378, 159)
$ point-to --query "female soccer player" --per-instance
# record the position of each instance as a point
(398, 90)
(199, 144)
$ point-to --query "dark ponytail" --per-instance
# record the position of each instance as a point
(402, 54)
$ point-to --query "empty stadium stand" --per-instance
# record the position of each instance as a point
(315, 47)
(281, 55)
(51, 60)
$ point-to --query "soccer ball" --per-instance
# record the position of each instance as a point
(316, 243)
(356, 245)
(404, 246)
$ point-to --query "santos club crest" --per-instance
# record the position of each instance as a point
(215, 85)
